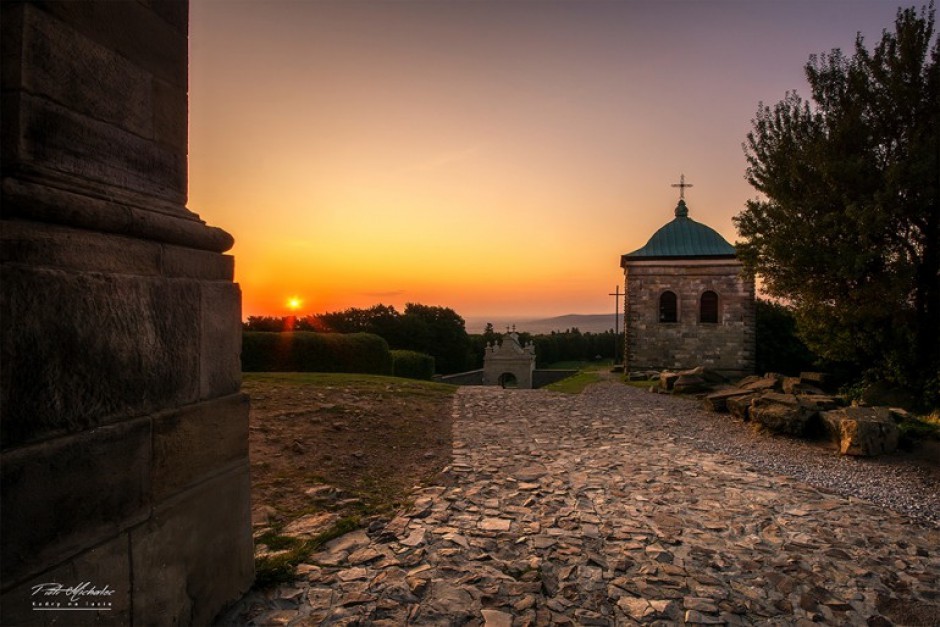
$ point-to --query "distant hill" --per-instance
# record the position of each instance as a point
(594, 323)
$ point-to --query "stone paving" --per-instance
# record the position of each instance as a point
(576, 510)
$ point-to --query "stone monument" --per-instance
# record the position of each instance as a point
(688, 302)
(124, 462)
(509, 364)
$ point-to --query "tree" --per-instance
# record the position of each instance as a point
(779, 349)
(848, 229)
(437, 331)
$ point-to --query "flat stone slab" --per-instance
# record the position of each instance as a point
(626, 511)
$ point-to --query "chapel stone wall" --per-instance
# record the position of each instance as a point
(727, 346)
(124, 434)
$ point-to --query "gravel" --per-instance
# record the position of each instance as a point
(899, 481)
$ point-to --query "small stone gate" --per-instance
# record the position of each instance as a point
(509, 364)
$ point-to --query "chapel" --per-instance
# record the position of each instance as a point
(688, 301)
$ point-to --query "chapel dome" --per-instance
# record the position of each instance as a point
(683, 238)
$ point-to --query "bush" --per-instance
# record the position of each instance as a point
(412, 365)
(779, 348)
(315, 352)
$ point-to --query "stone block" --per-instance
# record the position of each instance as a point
(667, 380)
(104, 568)
(66, 67)
(169, 127)
(740, 406)
(718, 401)
(689, 384)
(220, 371)
(192, 263)
(43, 245)
(198, 553)
(768, 383)
(74, 492)
(795, 385)
(176, 14)
(120, 213)
(818, 379)
(60, 140)
(141, 35)
(820, 402)
(781, 413)
(191, 443)
(93, 348)
(11, 47)
(862, 431)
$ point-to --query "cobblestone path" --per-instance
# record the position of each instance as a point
(584, 510)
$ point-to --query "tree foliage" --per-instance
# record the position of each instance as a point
(779, 349)
(848, 228)
(435, 331)
(568, 345)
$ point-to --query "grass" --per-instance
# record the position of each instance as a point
(574, 384)
(277, 569)
(914, 429)
(370, 437)
(362, 382)
(587, 366)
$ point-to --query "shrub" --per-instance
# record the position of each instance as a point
(412, 365)
(779, 347)
(315, 352)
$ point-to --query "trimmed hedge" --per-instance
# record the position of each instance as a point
(303, 351)
(412, 365)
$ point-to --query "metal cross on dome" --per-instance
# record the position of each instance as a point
(682, 185)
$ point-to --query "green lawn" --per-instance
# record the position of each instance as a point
(587, 366)
(574, 384)
(363, 382)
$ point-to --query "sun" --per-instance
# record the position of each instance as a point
(294, 303)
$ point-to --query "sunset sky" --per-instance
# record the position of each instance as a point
(492, 157)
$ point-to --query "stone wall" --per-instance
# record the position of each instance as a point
(124, 434)
(727, 346)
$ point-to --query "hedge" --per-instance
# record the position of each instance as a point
(412, 365)
(303, 351)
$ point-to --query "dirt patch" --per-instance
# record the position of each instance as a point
(351, 445)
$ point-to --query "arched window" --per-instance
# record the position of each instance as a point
(668, 310)
(708, 309)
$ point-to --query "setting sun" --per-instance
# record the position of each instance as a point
(294, 303)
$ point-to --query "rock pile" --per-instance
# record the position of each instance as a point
(793, 406)
(798, 406)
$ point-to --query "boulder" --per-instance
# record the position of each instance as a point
(689, 384)
(769, 382)
(718, 401)
(781, 413)
(900, 415)
(864, 431)
(795, 385)
(818, 379)
(740, 406)
(710, 376)
(821, 402)
(667, 379)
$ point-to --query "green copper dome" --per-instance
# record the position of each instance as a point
(683, 238)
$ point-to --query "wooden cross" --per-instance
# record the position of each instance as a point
(682, 185)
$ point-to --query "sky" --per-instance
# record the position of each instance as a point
(496, 158)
